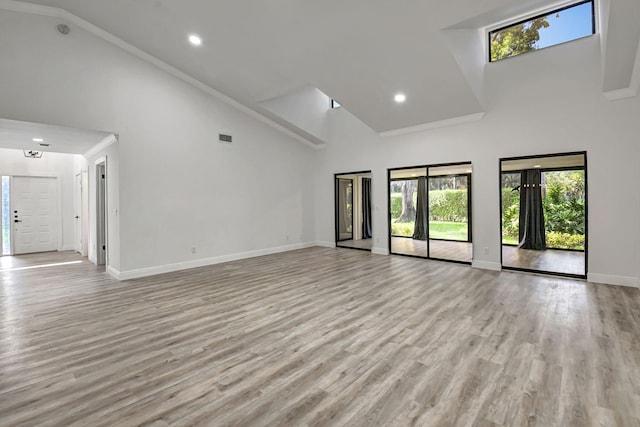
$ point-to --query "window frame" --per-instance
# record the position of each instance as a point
(540, 15)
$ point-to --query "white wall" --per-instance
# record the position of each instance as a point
(304, 109)
(177, 187)
(548, 101)
(60, 166)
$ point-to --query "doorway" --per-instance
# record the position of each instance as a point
(353, 226)
(34, 214)
(430, 212)
(543, 205)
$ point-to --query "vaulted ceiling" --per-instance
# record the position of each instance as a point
(360, 52)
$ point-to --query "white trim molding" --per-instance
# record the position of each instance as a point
(114, 273)
(184, 265)
(434, 125)
(55, 12)
(487, 265)
(632, 282)
(100, 146)
(380, 251)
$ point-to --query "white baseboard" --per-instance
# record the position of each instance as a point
(632, 282)
(184, 265)
(487, 265)
(114, 273)
(380, 251)
(67, 248)
(325, 244)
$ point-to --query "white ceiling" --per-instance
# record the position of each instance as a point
(360, 52)
(19, 135)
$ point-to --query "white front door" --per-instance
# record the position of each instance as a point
(34, 214)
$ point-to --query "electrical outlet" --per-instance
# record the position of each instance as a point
(485, 250)
(193, 250)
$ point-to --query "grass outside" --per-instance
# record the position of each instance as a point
(448, 230)
(508, 240)
(437, 230)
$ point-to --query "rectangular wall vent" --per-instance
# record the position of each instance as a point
(225, 139)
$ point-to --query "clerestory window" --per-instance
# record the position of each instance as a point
(552, 28)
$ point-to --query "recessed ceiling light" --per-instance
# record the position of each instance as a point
(468, 170)
(400, 98)
(414, 174)
(38, 140)
(537, 166)
(195, 40)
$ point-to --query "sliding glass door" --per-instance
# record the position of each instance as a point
(408, 231)
(450, 212)
(353, 210)
(543, 214)
(430, 212)
(345, 209)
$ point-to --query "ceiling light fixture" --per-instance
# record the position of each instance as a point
(32, 154)
(38, 140)
(400, 98)
(537, 166)
(195, 40)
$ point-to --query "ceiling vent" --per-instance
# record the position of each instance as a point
(225, 139)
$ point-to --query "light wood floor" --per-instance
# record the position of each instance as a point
(318, 337)
(442, 249)
(554, 260)
(356, 244)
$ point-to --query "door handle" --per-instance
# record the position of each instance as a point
(18, 220)
(77, 217)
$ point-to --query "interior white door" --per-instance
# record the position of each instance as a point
(77, 211)
(34, 214)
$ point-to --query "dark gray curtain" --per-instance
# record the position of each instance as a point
(366, 208)
(531, 232)
(421, 230)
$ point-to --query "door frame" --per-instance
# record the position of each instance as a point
(586, 212)
(337, 204)
(336, 177)
(102, 210)
(80, 192)
(469, 208)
